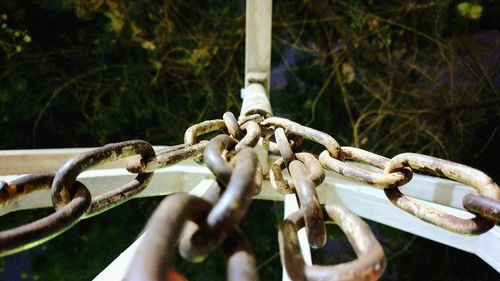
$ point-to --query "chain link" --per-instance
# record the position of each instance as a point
(476, 179)
(166, 157)
(204, 224)
(309, 203)
(228, 210)
(392, 179)
(369, 265)
(63, 181)
(315, 173)
(35, 233)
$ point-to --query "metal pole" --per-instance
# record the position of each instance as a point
(257, 58)
(258, 65)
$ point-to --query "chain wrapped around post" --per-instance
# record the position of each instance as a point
(201, 225)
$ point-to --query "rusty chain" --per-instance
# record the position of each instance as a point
(369, 265)
(204, 224)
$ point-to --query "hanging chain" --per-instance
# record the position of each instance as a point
(201, 225)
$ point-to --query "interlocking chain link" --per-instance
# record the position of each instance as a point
(369, 265)
(34, 233)
(204, 224)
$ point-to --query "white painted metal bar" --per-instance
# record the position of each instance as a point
(177, 178)
(258, 42)
(28, 161)
(291, 206)
(365, 200)
(117, 269)
(255, 95)
(257, 58)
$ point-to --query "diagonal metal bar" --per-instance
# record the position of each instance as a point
(116, 270)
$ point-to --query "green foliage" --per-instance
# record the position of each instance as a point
(12, 39)
(470, 11)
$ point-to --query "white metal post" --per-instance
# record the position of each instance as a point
(257, 58)
(257, 87)
(258, 65)
(258, 42)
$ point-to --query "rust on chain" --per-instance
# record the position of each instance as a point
(483, 184)
(290, 252)
(309, 203)
(32, 234)
(436, 217)
(478, 180)
(265, 131)
(274, 148)
(232, 125)
(313, 166)
(308, 133)
(156, 250)
(227, 212)
(284, 146)
(13, 191)
(268, 145)
(369, 265)
(365, 156)
(166, 157)
(119, 195)
(255, 117)
(483, 206)
(393, 179)
(240, 259)
(66, 176)
(278, 182)
(251, 137)
(192, 133)
(214, 159)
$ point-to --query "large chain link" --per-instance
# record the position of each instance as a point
(203, 224)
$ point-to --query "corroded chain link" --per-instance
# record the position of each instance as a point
(204, 224)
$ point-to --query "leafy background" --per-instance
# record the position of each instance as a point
(387, 76)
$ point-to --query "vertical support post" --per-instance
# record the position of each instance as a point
(258, 65)
(257, 58)
(258, 42)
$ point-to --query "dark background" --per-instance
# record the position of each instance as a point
(387, 76)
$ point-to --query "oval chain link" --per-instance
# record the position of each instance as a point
(483, 184)
(393, 179)
(313, 166)
(66, 176)
(369, 265)
(227, 212)
(37, 232)
(309, 203)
